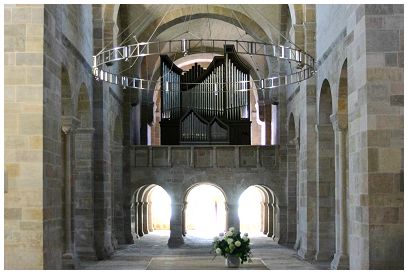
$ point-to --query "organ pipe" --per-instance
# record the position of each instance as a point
(196, 96)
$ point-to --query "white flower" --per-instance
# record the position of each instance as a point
(218, 251)
(229, 234)
(229, 241)
(245, 238)
(232, 229)
(215, 239)
(232, 247)
(237, 243)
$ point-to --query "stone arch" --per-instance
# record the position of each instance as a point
(340, 126)
(83, 108)
(141, 210)
(292, 132)
(116, 164)
(342, 101)
(67, 153)
(325, 103)
(67, 107)
(292, 181)
(185, 196)
(268, 210)
(272, 220)
(83, 152)
(177, 16)
(117, 129)
(326, 177)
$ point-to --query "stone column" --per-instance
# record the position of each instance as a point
(176, 229)
(67, 256)
(268, 125)
(117, 192)
(145, 218)
(271, 220)
(341, 258)
(139, 208)
(149, 217)
(83, 195)
(183, 219)
(127, 222)
(232, 216)
(265, 218)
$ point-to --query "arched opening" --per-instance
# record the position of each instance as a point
(251, 211)
(83, 108)
(66, 93)
(83, 142)
(66, 156)
(340, 123)
(160, 209)
(116, 155)
(150, 211)
(292, 180)
(205, 212)
(258, 212)
(326, 177)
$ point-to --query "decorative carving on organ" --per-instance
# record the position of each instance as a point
(206, 106)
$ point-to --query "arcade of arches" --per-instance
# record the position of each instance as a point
(85, 172)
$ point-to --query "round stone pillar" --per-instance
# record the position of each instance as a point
(139, 208)
(341, 258)
(271, 221)
(176, 229)
(232, 216)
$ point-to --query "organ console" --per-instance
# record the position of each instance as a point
(206, 106)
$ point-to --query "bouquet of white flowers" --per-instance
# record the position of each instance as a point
(231, 243)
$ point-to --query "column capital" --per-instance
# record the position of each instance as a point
(69, 123)
(339, 121)
(294, 141)
(66, 130)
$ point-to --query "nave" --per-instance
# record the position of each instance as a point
(151, 252)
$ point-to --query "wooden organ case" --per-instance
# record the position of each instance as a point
(206, 106)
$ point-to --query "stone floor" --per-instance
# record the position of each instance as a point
(138, 256)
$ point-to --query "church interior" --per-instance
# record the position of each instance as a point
(129, 126)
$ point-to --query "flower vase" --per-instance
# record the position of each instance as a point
(232, 261)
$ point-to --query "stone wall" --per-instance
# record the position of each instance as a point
(231, 168)
(367, 44)
(23, 137)
(54, 91)
(383, 134)
(180, 164)
(68, 48)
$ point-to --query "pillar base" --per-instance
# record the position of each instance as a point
(296, 246)
(323, 256)
(175, 242)
(340, 262)
(68, 261)
(306, 254)
(87, 255)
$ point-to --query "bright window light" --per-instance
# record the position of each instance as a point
(161, 209)
(250, 210)
(205, 212)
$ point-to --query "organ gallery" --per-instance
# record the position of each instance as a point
(206, 106)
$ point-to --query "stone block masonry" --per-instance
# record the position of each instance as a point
(23, 136)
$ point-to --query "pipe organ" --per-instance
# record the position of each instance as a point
(206, 106)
